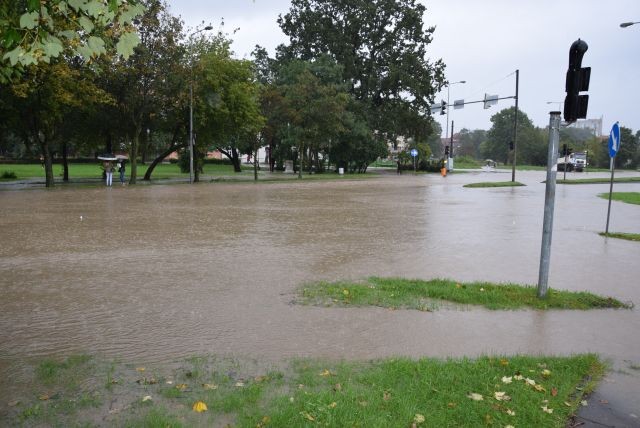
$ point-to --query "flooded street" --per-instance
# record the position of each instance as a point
(157, 273)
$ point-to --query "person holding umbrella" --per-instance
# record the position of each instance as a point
(107, 166)
(121, 170)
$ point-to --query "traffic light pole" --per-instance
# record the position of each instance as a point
(515, 131)
(549, 203)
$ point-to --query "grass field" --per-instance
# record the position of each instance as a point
(496, 391)
(628, 197)
(432, 294)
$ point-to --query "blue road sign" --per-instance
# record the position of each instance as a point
(414, 152)
(614, 140)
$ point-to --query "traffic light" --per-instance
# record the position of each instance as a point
(511, 145)
(443, 107)
(564, 150)
(446, 151)
(575, 105)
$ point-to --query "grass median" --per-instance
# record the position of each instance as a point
(600, 180)
(626, 236)
(494, 184)
(433, 294)
(395, 392)
(627, 197)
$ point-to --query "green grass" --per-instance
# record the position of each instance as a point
(395, 392)
(429, 295)
(627, 236)
(600, 180)
(628, 197)
(494, 184)
(466, 162)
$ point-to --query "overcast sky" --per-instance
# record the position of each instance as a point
(483, 43)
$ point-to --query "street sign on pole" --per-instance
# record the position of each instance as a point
(614, 146)
(458, 104)
(614, 140)
(414, 152)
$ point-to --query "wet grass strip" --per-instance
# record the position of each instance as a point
(600, 180)
(494, 184)
(628, 197)
(431, 295)
(396, 392)
(627, 236)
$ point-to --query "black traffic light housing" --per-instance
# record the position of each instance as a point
(564, 150)
(446, 151)
(443, 107)
(575, 105)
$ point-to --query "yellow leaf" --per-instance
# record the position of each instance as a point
(307, 416)
(239, 384)
(182, 387)
(345, 292)
(475, 396)
(539, 388)
(140, 369)
(511, 412)
(418, 418)
(209, 386)
(325, 372)
(386, 396)
(509, 426)
(504, 362)
(518, 377)
(332, 405)
(44, 397)
(530, 381)
(584, 403)
(546, 373)
(567, 404)
(146, 398)
(199, 407)
(451, 405)
(547, 410)
(458, 286)
(506, 379)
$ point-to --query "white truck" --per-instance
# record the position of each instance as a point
(573, 162)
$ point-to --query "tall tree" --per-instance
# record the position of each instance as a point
(531, 146)
(382, 47)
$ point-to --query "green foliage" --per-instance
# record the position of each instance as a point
(627, 236)
(8, 175)
(46, 29)
(382, 48)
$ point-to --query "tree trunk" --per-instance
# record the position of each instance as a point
(255, 165)
(233, 157)
(133, 155)
(156, 161)
(65, 162)
(48, 163)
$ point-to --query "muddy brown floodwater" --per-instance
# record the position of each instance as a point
(157, 273)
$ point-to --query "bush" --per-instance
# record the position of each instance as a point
(9, 175)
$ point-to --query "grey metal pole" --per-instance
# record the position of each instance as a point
(549, 203)
(515, 130)
(446, 135)
(191, 132)
(613, 168)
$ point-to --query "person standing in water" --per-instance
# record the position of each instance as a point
(108, 169)
(121, 170)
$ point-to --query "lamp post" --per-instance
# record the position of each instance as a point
(628, 24)
(446, 135)
(557, 102)
(207, 28)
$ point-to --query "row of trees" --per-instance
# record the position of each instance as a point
(533, 143)
(354, 78)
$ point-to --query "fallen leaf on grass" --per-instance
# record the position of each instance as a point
(325, 373)
(584, 403)
(182, 387)
(209, 386)
(139, 369)
(307, 416)
(511, 412)
(509, 426)
(451, 405)
(546, 373)
(554, 392)
(418, 418)
(530, 381)
(240, 384)
(44, 397)
(199, 407)
(146, 398)
(386, 396)
(332, 405)
(539, 388)
(264, 422)
(547, 410)
(504, 362)
(518, 377)
(337, 387)
(506, 379)
(475, 397)
(13, 403)
(501, 396)
(345, 292)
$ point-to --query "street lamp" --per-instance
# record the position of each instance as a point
(207, 28)
(448, 107)
(557, 102)
(628, 24)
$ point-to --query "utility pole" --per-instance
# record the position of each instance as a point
(450, 160)
(515, 130)
(549, 203)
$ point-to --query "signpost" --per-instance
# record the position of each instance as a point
(614, 146)
(414, 154)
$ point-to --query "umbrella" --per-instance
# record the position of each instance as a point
(122, 157)
(107, 157)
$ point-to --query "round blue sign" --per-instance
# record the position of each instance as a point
(414, 152)
(614, 140)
